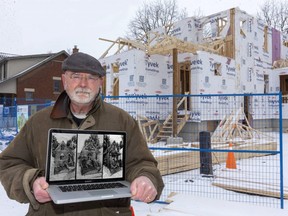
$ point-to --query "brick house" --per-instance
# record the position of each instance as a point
(30, 78)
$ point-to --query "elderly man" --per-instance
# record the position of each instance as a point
(22, 164)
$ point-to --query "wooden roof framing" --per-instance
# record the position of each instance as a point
(122, 43)
(164, 45)
(280, 63)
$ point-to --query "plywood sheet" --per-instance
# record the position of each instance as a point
(250, 187)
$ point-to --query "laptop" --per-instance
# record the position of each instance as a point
(86, 165)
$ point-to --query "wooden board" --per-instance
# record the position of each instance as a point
(178, 161)
(250, 187)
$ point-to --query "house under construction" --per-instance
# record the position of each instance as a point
(227, 52)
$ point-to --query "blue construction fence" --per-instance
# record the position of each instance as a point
(220, 146)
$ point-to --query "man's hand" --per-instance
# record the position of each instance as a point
(39, 189)
(143, 189)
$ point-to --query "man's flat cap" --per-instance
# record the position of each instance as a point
(81, 62)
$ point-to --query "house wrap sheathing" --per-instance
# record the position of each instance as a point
(227, 52)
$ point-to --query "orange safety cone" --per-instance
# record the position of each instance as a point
(132, 211)
(230, 161)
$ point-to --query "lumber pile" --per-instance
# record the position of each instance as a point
(249, 183)
(178, 161)
(230, 130)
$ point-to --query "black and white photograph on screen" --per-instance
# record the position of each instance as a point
(90, 156)
(63, 156)
(113, 156)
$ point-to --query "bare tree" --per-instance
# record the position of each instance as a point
(275, 14)
(159, 13)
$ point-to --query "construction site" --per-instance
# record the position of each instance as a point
(230, 52)
(193, 73)
(240, 53)
(209, 95)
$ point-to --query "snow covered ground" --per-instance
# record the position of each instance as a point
(10, 207)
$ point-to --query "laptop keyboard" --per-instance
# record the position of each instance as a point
(84, 187)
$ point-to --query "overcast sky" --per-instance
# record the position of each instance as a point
(42, 26)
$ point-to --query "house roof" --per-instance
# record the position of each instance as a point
(47, 58)
(5, 55)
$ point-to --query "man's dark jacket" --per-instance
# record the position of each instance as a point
(24, 158)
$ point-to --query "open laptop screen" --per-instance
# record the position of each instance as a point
(85, 156)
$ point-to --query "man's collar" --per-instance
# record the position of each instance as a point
(61, 106)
